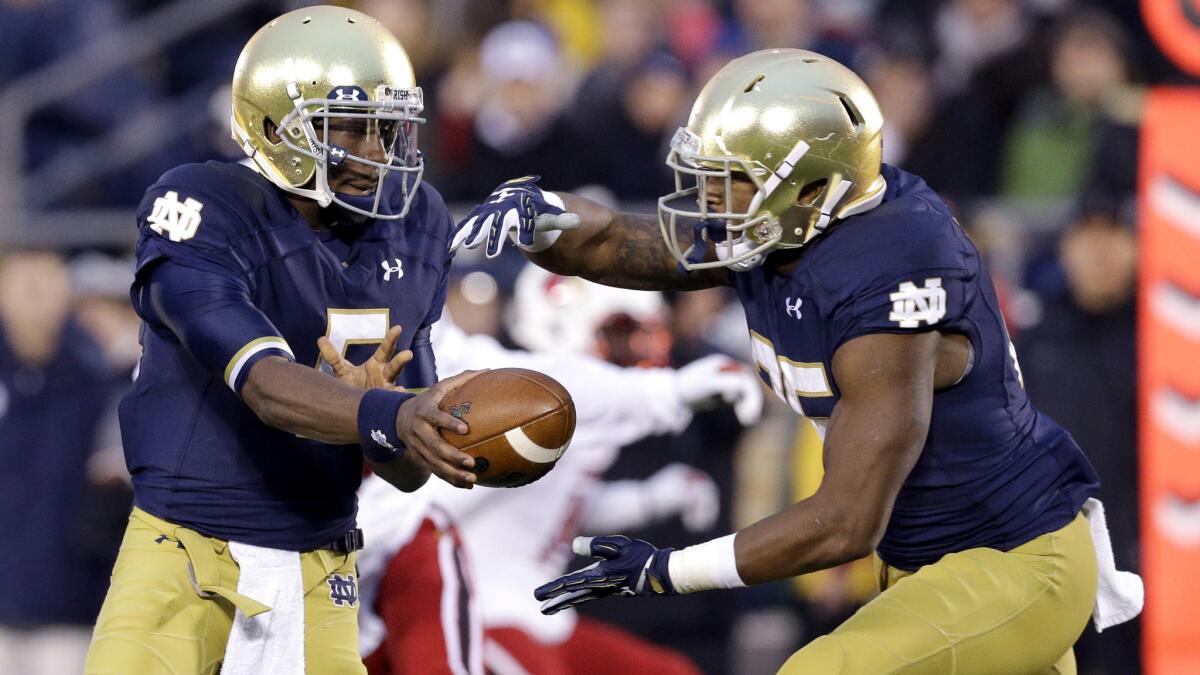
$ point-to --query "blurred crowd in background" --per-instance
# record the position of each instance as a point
(1023, 114)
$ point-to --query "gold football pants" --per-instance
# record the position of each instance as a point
(170, 606)
(975, 612)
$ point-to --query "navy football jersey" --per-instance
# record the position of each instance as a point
(198, 455)
(994, 471)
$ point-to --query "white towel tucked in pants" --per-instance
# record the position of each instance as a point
(1119, 595)
(272, 642)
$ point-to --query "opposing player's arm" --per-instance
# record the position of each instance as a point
(621, 249)
(873, 440)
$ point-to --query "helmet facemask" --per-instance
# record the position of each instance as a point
(694, 173)
(393, 115)
(777, 215)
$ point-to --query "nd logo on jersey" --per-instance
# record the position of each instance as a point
(911, 304)
(177, 220)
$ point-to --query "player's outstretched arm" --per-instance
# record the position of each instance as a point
(309, 403)
(570, 235)
(621, 249)
(874, 438)
(677, 489)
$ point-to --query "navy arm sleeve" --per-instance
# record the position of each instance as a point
(422, 370)
(212, 316)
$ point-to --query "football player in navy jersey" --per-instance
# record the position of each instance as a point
(244, 455)
(872, 314)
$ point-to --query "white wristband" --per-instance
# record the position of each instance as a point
(544, 239)
(705, 566)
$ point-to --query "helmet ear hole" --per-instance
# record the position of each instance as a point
(271, 131)
(810, 193)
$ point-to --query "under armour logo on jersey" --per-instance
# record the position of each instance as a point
(388, 270)
(912, 304)
(343, 591)
(177, 220)
(789, 308)
(348, 94)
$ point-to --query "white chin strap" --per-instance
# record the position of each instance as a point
(741, 246)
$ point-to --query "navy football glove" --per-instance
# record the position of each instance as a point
(519, 206)
(629, 567)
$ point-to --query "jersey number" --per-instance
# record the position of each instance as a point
(790, 380)
(345, 327)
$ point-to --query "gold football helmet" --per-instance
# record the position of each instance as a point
(318, 64)
(795, 123)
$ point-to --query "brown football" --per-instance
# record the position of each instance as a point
(520, 421)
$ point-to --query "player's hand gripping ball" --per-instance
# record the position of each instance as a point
(521, 422)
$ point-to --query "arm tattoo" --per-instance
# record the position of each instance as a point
(641, 260)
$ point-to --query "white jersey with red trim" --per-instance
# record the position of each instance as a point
(519, 538)
(389, 519)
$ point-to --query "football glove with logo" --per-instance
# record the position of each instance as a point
(519, 209)
(629, 567)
